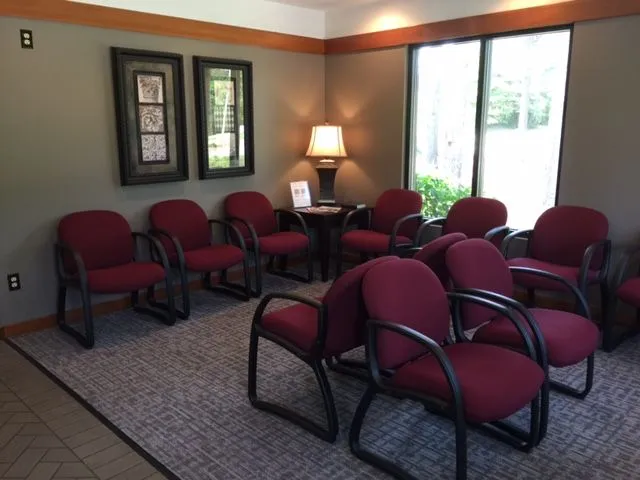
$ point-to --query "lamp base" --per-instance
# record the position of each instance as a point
(327, 176)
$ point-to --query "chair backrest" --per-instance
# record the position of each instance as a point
(405, 292)
(433, 255)
(254, 208)
(475, 216)
(391, 206)
(183, 219)
(477, 263)
(102, 238)
(562, 234)
(346, 312)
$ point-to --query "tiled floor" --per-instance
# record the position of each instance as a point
(45, 434)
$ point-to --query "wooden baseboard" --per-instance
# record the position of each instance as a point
(103, 308)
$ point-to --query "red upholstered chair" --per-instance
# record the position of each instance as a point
(313, 330)
(433, 255)
(96, 253)
(476, 217)
(466, 382)
(254, 216)
(626, 289)
(477, 267)
(383, 230)
(569, 241)
(185, 232)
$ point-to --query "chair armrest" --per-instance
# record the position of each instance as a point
(60, 249)
(353, 214)
(591, 250)
(312, 302)
(373, 326)
(159, 233)
(409, 252)
(425, 225)
(522, 310)
(228, 226)
(506, 243)
(499, 308)
(494, 232)
(290, 213)
(249, 227)
(584, 306)
(397, 226)
(154, 247)
(624, 264)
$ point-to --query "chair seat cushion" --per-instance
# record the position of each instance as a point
(535, 281)
(569, 338)
(283, 243)
(370, 241)
(213, 258)
(629, 291)
(298, 324)
(125, 278)
(495, 382)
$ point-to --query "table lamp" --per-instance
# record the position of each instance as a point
(326, 143)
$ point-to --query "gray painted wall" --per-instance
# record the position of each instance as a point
(58, 149)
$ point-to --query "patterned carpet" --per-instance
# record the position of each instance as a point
(180, 393)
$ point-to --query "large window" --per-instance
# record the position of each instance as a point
(486, 120)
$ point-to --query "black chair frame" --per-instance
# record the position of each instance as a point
(609, 339)
(313, 359)
(501, 430)
(166, 315)
(392, 249)
(541, 350)
(441, 221)
(239, 291)
(281, 269)
(583, 274)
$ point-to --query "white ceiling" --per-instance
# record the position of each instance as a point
(324, 4)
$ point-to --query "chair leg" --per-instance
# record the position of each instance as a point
(573, 392)
(604, 301)
(256, 257)
(88, 339)
(544, 410)
(166, 313)
(387, 466)
(329, 433)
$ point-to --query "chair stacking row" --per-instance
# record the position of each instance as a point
(97, 253)
(402, 312)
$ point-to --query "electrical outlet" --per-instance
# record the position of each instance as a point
(14, 281)
(26, 39)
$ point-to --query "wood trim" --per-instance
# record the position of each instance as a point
(119, 19)
(523, 19)
(75, 315)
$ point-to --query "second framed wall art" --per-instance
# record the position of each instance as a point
(224, 112)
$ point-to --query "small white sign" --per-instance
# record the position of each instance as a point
(300, 194)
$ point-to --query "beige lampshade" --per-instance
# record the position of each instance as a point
(326, 142)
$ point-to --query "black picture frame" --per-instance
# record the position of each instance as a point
(235, 136)
(150, 116)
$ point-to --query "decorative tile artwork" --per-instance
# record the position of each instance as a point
(152, 118)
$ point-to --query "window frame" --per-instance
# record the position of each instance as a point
(483, 73)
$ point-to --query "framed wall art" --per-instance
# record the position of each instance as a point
(150, 114)
(224, 113)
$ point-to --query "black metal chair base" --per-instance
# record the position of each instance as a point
(572, 391)
(387, 466)
(329, 433)
(353, 368)
(165, 312)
